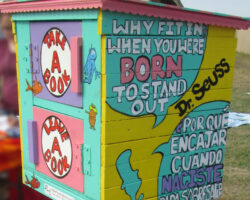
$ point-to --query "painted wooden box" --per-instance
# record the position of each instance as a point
(123, 100)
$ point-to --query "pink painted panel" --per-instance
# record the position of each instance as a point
(59, 147)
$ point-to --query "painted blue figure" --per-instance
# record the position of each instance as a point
(131, 183)
(90, 68)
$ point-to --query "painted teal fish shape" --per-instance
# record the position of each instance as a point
(131, 182)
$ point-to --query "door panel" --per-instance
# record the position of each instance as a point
(51, 61)
(60, 140)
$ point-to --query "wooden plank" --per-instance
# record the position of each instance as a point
(148, 189)
(60, 108)
(141, 150)
(120, 127)
(172, 86)
(144, 149)
(108, 17)
(217, 31)
(118, 132)
(225, 47)
(148, 25)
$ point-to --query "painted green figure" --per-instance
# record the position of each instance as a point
(131, 183)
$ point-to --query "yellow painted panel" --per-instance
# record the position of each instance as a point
(221, 43)
(103, 95)
(135, 128)
(99, 22)
(154, 198)
(121, 132)
(216, 31)
(142, 149)
(103, 83)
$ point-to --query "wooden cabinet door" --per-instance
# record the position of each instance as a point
(60, 140)
(51, 53)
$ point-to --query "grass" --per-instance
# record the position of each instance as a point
(236, 180)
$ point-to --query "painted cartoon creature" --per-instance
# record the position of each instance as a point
(92, 115)
(90, 68)
(36, 88)
(34, 183)
(131, 183)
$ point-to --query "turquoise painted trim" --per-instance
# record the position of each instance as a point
(246, 18)
(155, 4)
(92, 94)
(221, 14)
(213, 13)
(26, 101)
(57, 15)
(59, 108)
(190, 9)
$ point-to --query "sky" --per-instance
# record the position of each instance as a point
(232, 7)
